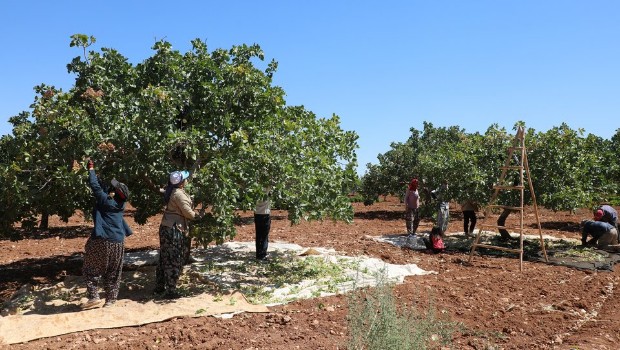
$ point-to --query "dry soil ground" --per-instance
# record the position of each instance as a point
(542, 307)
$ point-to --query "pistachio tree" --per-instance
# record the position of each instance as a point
(571, 170)
(568, 169)
(216, 113)
(42, 161)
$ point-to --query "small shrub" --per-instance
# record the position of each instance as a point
(376, 322)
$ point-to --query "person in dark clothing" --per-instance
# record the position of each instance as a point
(608, 214)
(262, 225)
(103, 256)
(469, 209)
(603, 234)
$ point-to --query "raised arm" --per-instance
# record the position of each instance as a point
(98, 192)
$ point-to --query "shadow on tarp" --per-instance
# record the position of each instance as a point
(54, 308)
(601, 261)
(415, 242)
(560, 252)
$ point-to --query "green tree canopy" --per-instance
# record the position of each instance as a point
(215, 113)
(569, 170)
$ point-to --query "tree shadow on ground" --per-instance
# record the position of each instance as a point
(65, 232)
(558, 226)
(36, 271)
(386, 215)
(52, 270)
(531, 246)
(222, 272)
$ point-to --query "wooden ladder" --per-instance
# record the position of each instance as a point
(515, 161)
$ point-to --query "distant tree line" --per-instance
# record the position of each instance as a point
(569, 170)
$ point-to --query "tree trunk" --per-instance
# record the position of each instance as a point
(45, 220)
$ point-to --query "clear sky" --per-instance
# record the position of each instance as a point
(382, 66)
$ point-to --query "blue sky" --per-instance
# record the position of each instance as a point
(382, 66)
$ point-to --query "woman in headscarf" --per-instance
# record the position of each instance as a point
(173, 234)
(103, 256)
(412, 203)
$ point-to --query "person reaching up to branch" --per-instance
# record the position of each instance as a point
(103, 256)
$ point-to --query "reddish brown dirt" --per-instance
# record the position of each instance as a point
(498, 306)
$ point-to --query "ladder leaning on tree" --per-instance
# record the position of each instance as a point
(515, 161)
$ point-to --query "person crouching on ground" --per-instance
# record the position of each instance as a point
(434, 242)
(173, 233)
(607, 213)
(103, 256)
(603, 234)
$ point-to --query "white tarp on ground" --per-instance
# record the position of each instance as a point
(55, 309)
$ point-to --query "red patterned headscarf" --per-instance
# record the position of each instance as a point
(598, 215)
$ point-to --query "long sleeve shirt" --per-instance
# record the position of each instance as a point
(594, 228)
(610, 214)
(469, 206)
(107, 214)
(179, 210)
(412, 199)
(263, 207)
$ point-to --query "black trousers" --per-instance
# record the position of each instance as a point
(262, 224)
(469, 221)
